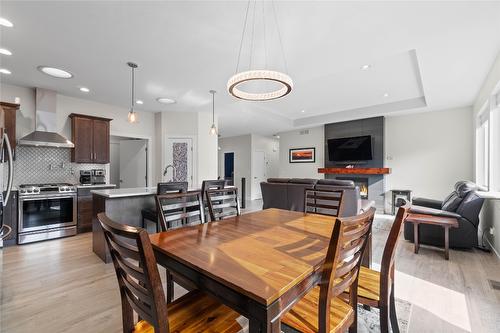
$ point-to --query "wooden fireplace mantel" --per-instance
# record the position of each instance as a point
(355, 171)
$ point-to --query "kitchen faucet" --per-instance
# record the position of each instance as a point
(173, 171)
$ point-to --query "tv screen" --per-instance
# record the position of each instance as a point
(352, 149)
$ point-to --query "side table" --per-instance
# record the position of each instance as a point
(445, 222)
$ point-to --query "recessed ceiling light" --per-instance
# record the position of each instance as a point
(303, 111)
(55, 72)
(366, 67)
(139, 102)
(165, 100)
(386, 95)
(5, 52)
(5, 71)
(6, 23)
(84, 89)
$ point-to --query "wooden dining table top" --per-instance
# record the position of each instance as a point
(260, 254)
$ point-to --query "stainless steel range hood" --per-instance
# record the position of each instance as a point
(45, 123)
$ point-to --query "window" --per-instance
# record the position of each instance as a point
(494, 150)
(482, 149)
(488, 145)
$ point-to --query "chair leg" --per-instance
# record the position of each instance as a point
(384, 319)
(394, 317)
(354, 327)
(170, 287)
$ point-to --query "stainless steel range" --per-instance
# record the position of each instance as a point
(46, 211)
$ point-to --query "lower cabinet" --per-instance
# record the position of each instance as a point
(10, 219)
(85, 204)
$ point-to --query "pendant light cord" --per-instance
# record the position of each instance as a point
(279, 36)
(242, 37)
(213, 108)
(132, 94)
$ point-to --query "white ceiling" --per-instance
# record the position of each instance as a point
(425, 55)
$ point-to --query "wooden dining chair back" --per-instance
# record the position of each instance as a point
(325, 202)
(342, 262)
(151, 214)
(137, 272)
(223, 203)
(171, 187)
(376, 288)
(180, 208)
(387, 265)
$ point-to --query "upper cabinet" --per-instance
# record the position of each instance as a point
(10, 110)
(91, 138)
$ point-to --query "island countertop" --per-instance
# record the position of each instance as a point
(125, 192)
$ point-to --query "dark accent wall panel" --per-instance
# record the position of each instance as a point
(370, 126)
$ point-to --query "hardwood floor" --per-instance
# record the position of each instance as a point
(62, 286)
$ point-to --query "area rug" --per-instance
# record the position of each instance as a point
(368, 320)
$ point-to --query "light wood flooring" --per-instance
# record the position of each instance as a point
(61, 286)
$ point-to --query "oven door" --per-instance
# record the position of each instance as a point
(46, 212)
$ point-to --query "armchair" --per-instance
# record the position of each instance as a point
(463, 204)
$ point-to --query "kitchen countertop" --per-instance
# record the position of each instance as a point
(125, 192)
(95, 186)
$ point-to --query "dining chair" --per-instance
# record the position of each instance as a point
(324, 202)
(376, 289)
(223, 203)
(179, 207)
(210, 184)
(322, 309)
(151, 214)
(141, 290)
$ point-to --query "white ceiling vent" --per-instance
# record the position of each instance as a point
(304, 132)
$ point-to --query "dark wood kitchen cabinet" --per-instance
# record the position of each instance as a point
(10, 110)
(91, 138)
(85, 206)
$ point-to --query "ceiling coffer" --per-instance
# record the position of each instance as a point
(45, 123)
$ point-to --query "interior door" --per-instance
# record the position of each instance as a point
(133, 163)
(229, 168)
(179, 154)
(259, 173)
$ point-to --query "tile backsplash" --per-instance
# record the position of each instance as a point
(48, 165)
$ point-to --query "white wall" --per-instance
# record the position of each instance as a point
(195, 125)
(270, 147)
(490, 214)
(293, 139)
(207, 148)
(429, 152)
(241, 146)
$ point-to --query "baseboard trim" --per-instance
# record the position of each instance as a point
(492, 247)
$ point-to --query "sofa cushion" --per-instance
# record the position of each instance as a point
(303, 181)
(336, 182)
(278, 180)
(451, 202)
(462, 188)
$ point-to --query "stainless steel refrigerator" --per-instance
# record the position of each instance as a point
(6, 175)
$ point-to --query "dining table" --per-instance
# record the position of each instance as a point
(259, 263)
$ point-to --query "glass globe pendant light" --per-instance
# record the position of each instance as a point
(132, 115)
(213, 128)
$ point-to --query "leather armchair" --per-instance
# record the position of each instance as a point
(463, 204)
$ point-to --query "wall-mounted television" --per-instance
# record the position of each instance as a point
(353, 149)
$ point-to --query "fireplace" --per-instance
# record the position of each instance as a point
(362, 183)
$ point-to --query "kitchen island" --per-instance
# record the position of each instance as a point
(122, 205)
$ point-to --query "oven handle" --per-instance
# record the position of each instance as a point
(42, 197)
